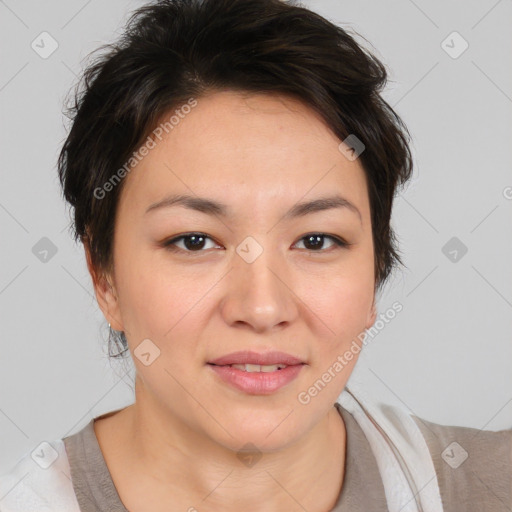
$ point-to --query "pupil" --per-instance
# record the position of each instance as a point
(196, 242)
(318, 239)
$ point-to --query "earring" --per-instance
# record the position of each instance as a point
(117, 338)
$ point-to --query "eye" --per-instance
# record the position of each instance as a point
(315, 241)
(195, 242)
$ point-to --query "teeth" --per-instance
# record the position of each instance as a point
(257, 367)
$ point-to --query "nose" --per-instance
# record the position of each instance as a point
(258, 296)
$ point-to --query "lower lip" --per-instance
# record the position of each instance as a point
(257, 383)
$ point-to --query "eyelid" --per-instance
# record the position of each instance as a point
(169, 244)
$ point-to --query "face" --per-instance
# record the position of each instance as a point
(261, 274)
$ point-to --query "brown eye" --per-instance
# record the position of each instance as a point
(192, 242)
(315, 242)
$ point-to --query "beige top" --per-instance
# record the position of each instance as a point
(481, 483)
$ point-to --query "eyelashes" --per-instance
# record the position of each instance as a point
(197, 241)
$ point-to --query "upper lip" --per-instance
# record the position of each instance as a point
(249, 357)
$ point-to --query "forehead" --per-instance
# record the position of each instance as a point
(246, 148)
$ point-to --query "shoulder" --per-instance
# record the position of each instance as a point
(459, 468)
(39, 482)
(473, 466)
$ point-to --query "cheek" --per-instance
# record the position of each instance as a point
(167, 307)
(340, 305)
(151, 300)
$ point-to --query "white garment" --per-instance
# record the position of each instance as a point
(403, 458)
(28, 487)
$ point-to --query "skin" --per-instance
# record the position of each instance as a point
(177, 444)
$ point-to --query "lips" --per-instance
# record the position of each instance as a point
(256, 382)
(262, 359)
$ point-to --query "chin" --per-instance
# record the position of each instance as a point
(269, 432)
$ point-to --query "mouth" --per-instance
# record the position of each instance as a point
(255, 379)
(257, 373)
(251, 361)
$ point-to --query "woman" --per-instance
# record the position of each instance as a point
(232, 169)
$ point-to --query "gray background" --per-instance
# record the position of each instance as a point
(447, 357)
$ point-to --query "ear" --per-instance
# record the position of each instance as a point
(105, 294)
(372, 315)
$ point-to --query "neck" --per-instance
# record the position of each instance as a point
(173, 463)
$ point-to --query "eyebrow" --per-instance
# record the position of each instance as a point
(212, 207)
